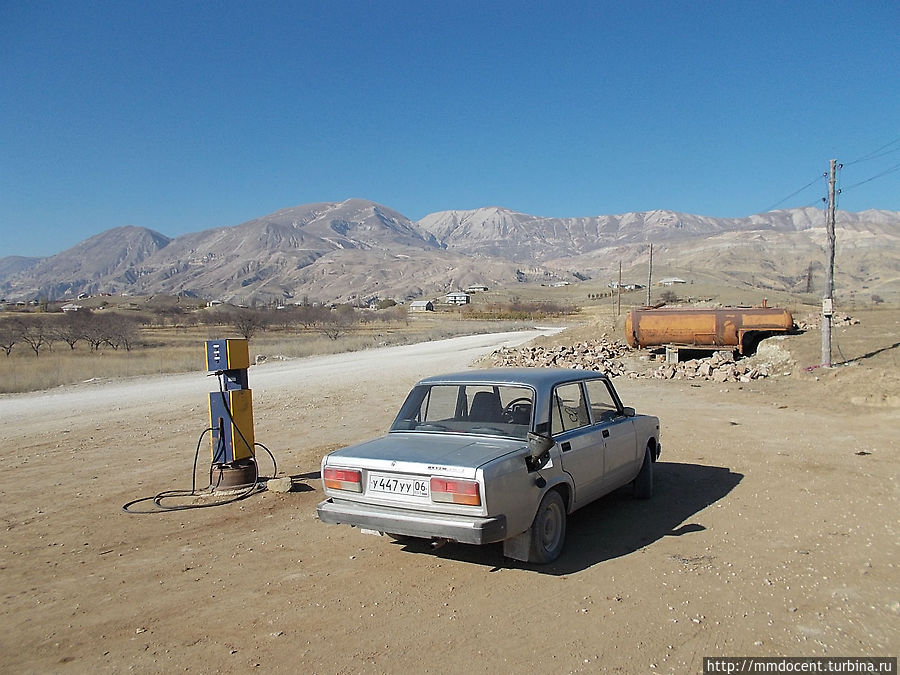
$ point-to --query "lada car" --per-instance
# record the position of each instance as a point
(499, 455)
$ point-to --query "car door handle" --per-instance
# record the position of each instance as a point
(606, 433)
(566, 446)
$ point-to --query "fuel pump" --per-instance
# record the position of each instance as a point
(231, 416)
(234, 472)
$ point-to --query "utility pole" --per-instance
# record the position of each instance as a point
(650, 274)
(828, 300)
(619, 292)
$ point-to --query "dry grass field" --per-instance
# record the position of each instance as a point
(175, 349)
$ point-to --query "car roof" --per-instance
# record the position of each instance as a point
(538, 378)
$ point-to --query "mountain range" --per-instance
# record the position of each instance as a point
(358, 249)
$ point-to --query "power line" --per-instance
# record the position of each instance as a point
(877, 175)
(875, 153)
(793, 194)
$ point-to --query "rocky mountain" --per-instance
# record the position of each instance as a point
(15, 264)
(322, 251)
(360, 249)
(518, 236)
(88, 267)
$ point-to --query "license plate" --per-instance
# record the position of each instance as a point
(414, 487)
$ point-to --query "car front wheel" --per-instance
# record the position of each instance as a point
(548, 531)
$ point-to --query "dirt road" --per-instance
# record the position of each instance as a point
(773, 531)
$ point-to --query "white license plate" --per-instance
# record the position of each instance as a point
(414, 487)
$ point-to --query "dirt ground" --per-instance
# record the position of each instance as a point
(773, 531)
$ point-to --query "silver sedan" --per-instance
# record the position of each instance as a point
(494, 455)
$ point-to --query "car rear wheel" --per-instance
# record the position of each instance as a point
(548, 531)
(643, 484)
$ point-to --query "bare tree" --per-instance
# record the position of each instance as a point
(70, 327)
(96, 329)
(36, 333)
(10, 334)
(248, 322)
(309, 316)
(338, 322)
(122, 331)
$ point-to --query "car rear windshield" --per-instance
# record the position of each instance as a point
(481, 409)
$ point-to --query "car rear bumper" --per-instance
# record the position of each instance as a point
(410, 523)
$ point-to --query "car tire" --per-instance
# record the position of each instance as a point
(643, 483)
(548, 531)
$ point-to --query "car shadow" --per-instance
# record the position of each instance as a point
(617, 524)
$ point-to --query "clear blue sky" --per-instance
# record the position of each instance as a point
(181, 116)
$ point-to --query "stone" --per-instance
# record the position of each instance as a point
(279, 484)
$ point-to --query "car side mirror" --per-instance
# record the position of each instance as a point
(628, 412)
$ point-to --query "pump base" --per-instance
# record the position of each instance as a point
(236, 475)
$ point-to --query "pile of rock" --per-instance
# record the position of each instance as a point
(814, 321)
(602, 354)
(607, 356)
(720, 367)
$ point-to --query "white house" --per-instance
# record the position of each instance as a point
(671, 281)
(457, 298)
(421, 306)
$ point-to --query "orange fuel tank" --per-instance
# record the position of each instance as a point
(738, 328)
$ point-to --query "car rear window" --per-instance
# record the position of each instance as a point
(480, 409)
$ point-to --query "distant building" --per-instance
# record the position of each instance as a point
(477, 288)
(70, 307)
(671, 281)
(421, 306)
(458, 298)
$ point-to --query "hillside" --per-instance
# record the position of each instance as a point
(358, 249)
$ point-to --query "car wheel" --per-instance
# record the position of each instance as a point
(548, 531)
(643, 484)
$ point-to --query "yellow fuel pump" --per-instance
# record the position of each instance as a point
(231, 415)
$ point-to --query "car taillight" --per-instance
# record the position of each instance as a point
(343, 479)
(455, 491)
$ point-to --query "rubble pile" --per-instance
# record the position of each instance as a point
(608, 356)
(720, 367)
(814, 321)
(600, 354)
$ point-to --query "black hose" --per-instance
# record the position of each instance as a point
(170, 494)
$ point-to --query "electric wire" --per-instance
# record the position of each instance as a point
(892, 169)
(793, 194)
(877, 153)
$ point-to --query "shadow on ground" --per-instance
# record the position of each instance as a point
(870, 354)
(617, 524)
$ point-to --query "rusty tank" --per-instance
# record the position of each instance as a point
(735, 328)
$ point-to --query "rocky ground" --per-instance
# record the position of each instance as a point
(773, 530)
(618, 360)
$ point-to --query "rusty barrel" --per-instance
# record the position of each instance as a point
(730, 327)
